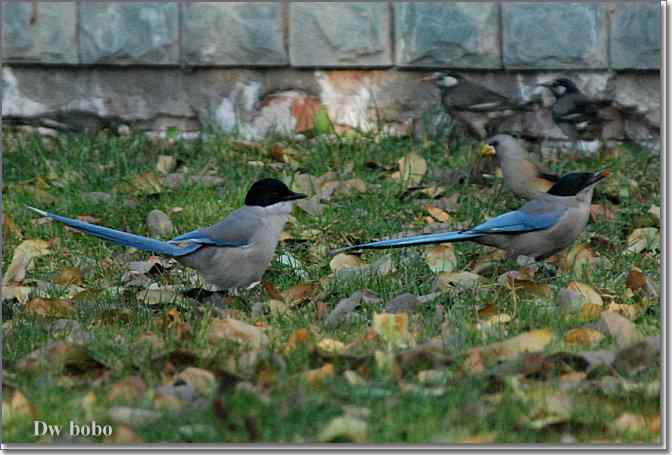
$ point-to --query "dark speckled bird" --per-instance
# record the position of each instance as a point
(460, 96)
(575, 113)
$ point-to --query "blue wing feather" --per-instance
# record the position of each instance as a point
(518, 222)
(200, 237)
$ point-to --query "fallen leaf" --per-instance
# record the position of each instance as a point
(10, 229)
(50, 308)
(382, 266)
(583, 336)
(533, 341)
(299, 337)
(587, 292)
(392, 328)
(628, 423)
(319, 375)
(132, 388)
(344, 429)
(23, 258)
(134, 417)
(598, 211)
(166, 164)
(654, 211)
(643, 239)
(344, 261)
(630, 311)
(460, 280)
(441, 258)
(439, 214)
(20, 293)
(412, 169)
(147, 183)
(16, 404)
(59, 355)
(69, 275)
(299, 292)
(330, 347)
(221, 330)
(157, 296)
(200, 379)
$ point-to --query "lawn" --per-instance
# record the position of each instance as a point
(563, 351)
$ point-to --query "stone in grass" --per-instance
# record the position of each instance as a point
(159, 224)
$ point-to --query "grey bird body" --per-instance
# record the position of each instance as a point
(258, 228)
(523, 173)
(542, 227)
(231, 254)
(573, 214)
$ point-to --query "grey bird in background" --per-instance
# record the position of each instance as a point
(546, 225)
(461, 97)
(523, 173)
(231, 254)
(575, 113)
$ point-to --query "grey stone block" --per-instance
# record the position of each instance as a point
(339, 34)
(554, 35)
(50, 38)
(435, 34)
(129, 33)
(234, 34)
(635, 36)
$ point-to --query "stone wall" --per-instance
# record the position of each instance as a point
(262, 66)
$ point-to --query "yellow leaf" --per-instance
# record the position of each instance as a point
(329, 346)
(461, 280)
(586, 292)
(583, 336)
(319, 375)
(643, 239)
(438, 214)
(51, 308)
(221, 330)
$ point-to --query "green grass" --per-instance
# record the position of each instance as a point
(295, 412)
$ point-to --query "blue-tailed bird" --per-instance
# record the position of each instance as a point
(231, 254)
(542, 227)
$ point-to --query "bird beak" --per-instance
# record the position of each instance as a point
(295, 196)
(488, 150)
(599, 176)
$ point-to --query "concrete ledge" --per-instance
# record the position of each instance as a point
(635, 36)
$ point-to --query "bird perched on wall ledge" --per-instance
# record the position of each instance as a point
(575, 113)
(231, 254)
(523, 173)
(461, 97)
(546, 225)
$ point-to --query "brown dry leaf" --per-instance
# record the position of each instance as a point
(438, 214)
(433, 191)
(528, 287)
(460, 280)
(533, 341)
(165, 164)
(319, 375)
(51, 308)
(344, 261)
(598, 211)
(636, 279)
(344, 429)
(412, 169)
(200, 379)
(587, 293)
(122, 434)
(23, 258)
(629, 311)
(621, 329)
(578, 259)
(392, 328)
(490, 323)
(222, 330)
(628, 423)
(69, 275)
(583, 337)
(654, 425)
(59, 355)
(357, 185)
(299, 292)
(132, 388)
(284, 154)
(589, 312)
(487, 311)
(16, 404)
(643, 239)
(441, 258)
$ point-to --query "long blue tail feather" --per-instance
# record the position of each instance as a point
(123, 238)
